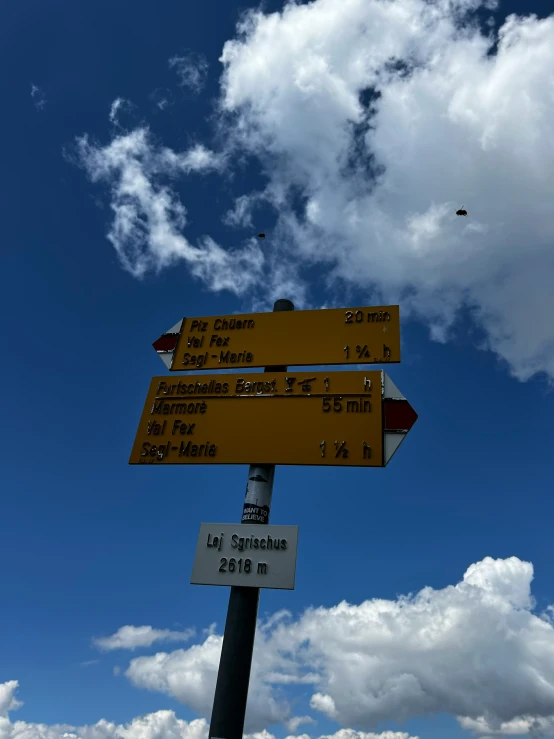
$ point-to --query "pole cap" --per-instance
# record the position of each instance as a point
(282, 304)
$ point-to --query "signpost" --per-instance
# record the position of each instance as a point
(248, 555)
(318, 418)
(308, 337)
(276, 417)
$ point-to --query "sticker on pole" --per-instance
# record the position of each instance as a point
(248, 555)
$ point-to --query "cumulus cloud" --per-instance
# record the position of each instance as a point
(131, 637)
(525, 726)
(351, 734)
(296, 721)
(188, 675)
(158, 725)
(375, 121)
(191, 69)
(8, 701)
(475, 650)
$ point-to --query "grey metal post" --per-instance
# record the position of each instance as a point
(231, 691)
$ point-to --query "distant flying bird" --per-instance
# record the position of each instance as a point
(261, 236)
(461, 212)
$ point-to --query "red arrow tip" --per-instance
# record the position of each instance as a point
(399, 415)
(166, 343)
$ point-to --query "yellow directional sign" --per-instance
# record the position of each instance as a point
(318, 418)
(308, 337)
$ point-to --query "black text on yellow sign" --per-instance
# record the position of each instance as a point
(332, 418)
(298, 338)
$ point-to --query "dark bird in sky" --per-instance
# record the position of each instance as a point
(461, 212)
(261, 236)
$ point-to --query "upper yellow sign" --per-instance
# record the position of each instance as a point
(297, 338)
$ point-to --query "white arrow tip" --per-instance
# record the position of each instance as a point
(390, 389)
(392, 442)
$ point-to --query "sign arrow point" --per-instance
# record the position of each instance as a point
(398, 418)
(166, 344)
(399, 415)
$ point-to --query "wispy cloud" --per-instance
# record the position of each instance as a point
(132, 637)
(119, 105)
(191, 69)
(148, 217)
(241, 213)
(149, 220)
(162, 98)
(38, 97)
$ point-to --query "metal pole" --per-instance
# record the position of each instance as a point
(231, 691)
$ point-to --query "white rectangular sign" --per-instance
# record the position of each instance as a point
(251, 555)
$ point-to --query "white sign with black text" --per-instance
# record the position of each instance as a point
(251, 555)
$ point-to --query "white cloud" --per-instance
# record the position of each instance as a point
(460, 128)
(149, 218)
(474, 650)
(190, 676)
(115, 106)
(8, 700)
(210, 630)
(293, 723)
(161, 97)
(187, 675)
(352, 734)
(530, 726)
(131, 637)
(38, 97)
(241, 213)
(191, 69)
(325, 704)
(158, 725)
(372, 123)
(119, 105)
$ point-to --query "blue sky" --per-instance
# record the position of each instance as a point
(145, 146)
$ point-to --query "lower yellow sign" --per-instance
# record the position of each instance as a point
(317, 418)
